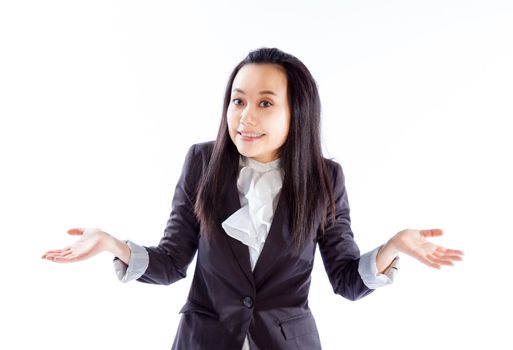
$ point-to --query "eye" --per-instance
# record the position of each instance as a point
(269, 104)
(236, 101)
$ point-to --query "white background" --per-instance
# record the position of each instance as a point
(100, 100)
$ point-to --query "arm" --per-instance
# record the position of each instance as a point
(338, 249)
(120, 249)
(168, 262)
(170, 259)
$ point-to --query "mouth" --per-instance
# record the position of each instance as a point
(250, 136)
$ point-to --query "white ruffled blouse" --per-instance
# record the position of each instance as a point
(259, 185)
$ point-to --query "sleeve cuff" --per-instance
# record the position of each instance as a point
(369, 271)
(137, 264)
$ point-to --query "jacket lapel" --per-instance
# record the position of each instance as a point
(239, 249)
(276, 243)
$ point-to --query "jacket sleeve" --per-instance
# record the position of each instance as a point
(169, 260)
(137, 263)
(369, 270)
(340, 254)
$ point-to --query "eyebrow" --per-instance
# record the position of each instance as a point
(263, 92)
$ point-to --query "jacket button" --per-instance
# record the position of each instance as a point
(248, 302)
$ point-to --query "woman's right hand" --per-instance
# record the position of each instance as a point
(91, 242)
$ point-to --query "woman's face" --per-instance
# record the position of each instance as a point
(258, 114)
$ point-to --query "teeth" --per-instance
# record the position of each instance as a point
(250, 134)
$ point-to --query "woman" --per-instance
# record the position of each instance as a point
(254, 205)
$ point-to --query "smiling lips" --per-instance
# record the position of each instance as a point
(250, 136)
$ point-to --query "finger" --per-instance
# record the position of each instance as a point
(59, 251)
(58, 260)
(446, 251)
(432, 233)
(65, 259)
(454, 252)
(57, 255)
(49, 257)
(447, 256)
(439, 261)
(64, 254)
(76, 231)
(428, 262)
(54, 251)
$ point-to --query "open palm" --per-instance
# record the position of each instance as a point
(89, 244)
(414, 243)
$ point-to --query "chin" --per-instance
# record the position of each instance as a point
(245, 153)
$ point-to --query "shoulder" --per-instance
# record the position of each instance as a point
(203, 149)
(333, 168)
(199, 153)
(336, 177)
(196, 160)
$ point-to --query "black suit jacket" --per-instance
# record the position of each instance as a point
(228, 301)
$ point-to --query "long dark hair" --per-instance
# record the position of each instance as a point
(306, 181)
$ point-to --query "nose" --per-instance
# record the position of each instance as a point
(246, 117)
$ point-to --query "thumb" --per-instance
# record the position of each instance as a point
(431, 233)
(76, 231)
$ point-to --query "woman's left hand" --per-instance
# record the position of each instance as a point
(414, 243)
